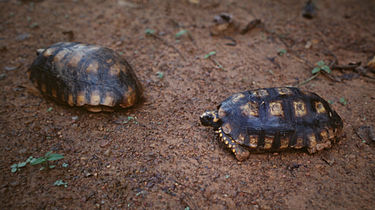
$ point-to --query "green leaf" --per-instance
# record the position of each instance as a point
(49, 109)
(64, 165)
(316, 70)
(52, 166)
(160, 74)
(60, 182)
(209, 54)
(14, 165)
(180, 33)
(29, 159)
(42, 168)
(320, 63)
(54, 156)
(34, 25)
(326, 69)
(281, 52)
(149, 31)
(343, 101)
(22, 164)
(330, 102)
(14, 170)
(38, 161)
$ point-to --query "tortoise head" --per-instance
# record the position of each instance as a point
(210, 118)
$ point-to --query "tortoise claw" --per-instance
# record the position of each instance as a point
(240, 152)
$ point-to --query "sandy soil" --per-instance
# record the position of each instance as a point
(164, 159)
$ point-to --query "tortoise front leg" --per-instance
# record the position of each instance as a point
(239, 151)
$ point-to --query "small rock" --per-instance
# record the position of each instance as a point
(194, 1)
(328, 159)
(128, 4)
(308, 45)
(83, 158)
(3, 76)
(87, 173)
(104, 143)
(23, 36)
(14, 184)
(366, 133)
(22, 151)
(10, 68)
(107, 152)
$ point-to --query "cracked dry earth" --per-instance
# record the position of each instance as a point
(157, 155)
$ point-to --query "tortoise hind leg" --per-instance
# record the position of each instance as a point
(239, 151)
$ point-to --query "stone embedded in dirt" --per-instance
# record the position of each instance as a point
(3, 76)
(107, 152)
(366, 133)
(104, 143)
(87, 172)
(14, 184)
(225, 24)
(10, 68)
(328, 158)
(23, 36)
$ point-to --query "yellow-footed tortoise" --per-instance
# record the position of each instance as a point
(91, 76)
(273, 119)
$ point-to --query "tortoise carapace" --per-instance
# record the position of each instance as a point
(273, 119)
(91, 76)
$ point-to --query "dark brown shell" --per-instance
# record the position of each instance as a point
(279, 118)
(85, 75)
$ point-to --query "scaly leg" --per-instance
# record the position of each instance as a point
(240, 152)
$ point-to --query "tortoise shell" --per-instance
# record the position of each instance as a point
(273, 119)
(91, 76)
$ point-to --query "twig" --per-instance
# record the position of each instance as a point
(252, 24)
(167, 44)
(216, 63)
(232, 43)
(346, 67)
(308, 80)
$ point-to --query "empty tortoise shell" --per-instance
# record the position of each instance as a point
(91, 76)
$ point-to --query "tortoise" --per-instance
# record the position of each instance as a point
(274, 119)
(87, 75)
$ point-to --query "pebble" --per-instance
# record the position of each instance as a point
(107, 152)
(308, 45)
(23, 36)
(104, 143)
(3, 76)
(14, 184)
(87, 173)
(10, 68)
(22, 151)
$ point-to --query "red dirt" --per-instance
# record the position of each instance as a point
(167, 160)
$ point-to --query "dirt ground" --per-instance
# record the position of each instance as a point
(164, 158)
